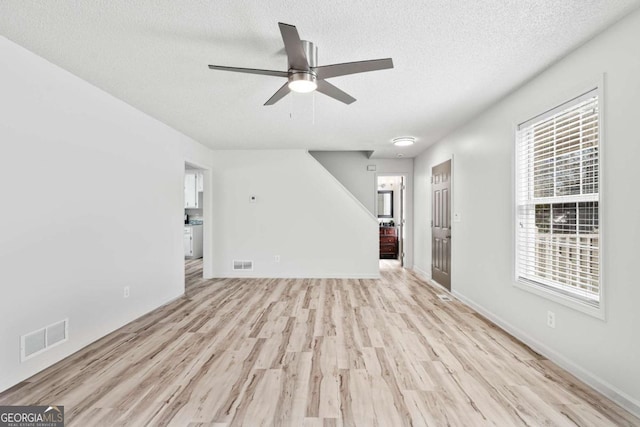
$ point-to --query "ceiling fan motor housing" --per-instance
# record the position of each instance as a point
(304, 81)
(311, 52)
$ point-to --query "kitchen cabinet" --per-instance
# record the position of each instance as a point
(193, 184)
(193, 241)
(200, 182)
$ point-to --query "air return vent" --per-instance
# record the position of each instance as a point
(38, 341)
(242, 265)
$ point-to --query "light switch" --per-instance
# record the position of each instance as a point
(457, 217)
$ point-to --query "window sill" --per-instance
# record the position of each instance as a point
(566, 300)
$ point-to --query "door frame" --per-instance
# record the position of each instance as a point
(207, 208)
(451, 213)
(407, 228)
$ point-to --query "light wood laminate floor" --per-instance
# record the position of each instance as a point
(322, 352)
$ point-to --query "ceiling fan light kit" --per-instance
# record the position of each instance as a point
(403, 141)
(304, 75)
(302, 82)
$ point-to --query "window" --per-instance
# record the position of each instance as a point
(557, 215)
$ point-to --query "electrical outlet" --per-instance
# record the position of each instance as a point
(126, 292)
(276, 258)
(551, 319)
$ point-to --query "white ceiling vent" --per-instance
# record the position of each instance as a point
(242, 265)
(38, 341)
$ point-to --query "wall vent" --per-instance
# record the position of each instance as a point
(242, 265)
(36, 342)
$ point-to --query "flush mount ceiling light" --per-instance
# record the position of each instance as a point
(403, 141)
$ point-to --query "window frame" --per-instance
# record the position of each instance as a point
(594, 87)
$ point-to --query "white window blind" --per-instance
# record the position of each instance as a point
(557, 185)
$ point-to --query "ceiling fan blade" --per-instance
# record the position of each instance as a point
(293, 46)
(335, 70)
(250, 71)
(335, 93)
(284, 90)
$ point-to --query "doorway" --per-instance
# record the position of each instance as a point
(196, 209)
(391, 210)
(441, 224)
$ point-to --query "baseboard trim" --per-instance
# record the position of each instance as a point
(421, 273)
(593, 381)
(306, 276)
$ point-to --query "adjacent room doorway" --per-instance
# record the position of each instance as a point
(196, 208)
(391, 209)
(441, 224)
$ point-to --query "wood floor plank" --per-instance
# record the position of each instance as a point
(318, 353)
(329, 406)
(361, 399)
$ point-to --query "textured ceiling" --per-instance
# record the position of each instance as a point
(452, 59)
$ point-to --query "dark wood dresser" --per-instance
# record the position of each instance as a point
(388, 242)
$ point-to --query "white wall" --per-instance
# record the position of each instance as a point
(604, 353)
(77, 167)
(350, 168)
(302, 213)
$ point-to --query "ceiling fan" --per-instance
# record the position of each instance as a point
(304, 75)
